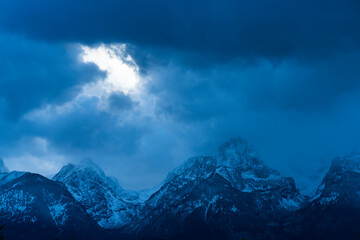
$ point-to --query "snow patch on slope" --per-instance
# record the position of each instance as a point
(103, 198)
(58, 213)
(15, 202)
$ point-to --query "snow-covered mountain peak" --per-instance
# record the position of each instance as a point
(86, 169)
(88, 163)
(342, 182)
(228, 187)
(3, 168)
(235, 159)
(194, 167)
(102, 196)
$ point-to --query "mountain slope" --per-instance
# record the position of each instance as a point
(34, 207)
(103, 198)
(334, 212)
(231, 194)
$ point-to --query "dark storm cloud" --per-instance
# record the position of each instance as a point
(217, 28)
(35, 73)
(201, 94)
(296, 114)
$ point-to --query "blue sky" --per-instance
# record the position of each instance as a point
(140, 86)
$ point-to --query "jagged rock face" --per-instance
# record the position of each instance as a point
(33, 207)
(231, 194)
(102, 196)
(341, 184)
(334, 212)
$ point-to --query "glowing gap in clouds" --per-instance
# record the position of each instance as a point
(122, 76)
(122, 71)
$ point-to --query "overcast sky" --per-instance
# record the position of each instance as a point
(140, 86)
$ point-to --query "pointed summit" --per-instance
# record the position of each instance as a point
(218, 191)
(235, 156)
(86, 170)
(88, 163)
(3, 168)
(99, 194)
(237, 151)
(238, 154)
(341, 183)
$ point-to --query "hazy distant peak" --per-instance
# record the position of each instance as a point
(238, 153)
(235, 154)
(3, 168)
(88, 163)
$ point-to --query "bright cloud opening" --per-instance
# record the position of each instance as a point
(122, 71)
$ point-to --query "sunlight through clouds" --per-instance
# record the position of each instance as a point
(122, 76)
(122, 71)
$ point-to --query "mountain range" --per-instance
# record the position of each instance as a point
(231, 195)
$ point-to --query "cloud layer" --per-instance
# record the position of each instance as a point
(218, 28)
(282, 74)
